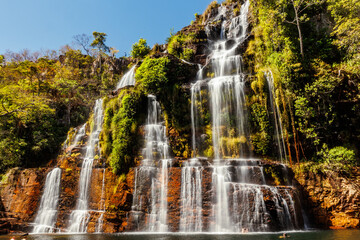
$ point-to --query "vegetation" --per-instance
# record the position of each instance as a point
(178, 45)
(140, 49)
(42, 95)
(121, 139)
(313, 59)
(310, 47)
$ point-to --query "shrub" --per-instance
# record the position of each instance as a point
(152, 75)
(187, 54)
(337, 158)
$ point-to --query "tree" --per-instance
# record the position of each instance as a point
(299, 6)
(346, 14)
(140, 49)
(99, 41)
(83, 40)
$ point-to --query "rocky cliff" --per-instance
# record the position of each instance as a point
(332, 199)
(20, 193)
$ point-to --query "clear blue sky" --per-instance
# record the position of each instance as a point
(50, 24)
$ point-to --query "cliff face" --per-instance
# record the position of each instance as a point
(20, 194)
(332, 200)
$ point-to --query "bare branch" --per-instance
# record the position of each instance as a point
(83, 41)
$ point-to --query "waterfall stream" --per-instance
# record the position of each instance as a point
(79, 217)
(128, 79)
(279, 135)
(47, 214)
(154, 169)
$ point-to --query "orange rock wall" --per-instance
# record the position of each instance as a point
(333, 201)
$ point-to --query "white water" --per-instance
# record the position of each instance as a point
(47, 214)
(195, 118)
(227, 98)
(128, 79)
(100, 221)
(279, 135)
(79, 135)
(154, 169)
(238, 185)
(191, 197)
(79, 217)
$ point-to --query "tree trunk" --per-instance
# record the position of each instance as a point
(299, 29)
(68, 114)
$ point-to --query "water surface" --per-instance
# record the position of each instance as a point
(309, 235)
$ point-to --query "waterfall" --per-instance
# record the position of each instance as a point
(79, 217)
(229, 118)
(279, 136)
(238, 186)
(151, 177)
(127, 80)
(47, 214)
(195, 99)
(79, 135)
(191, 197)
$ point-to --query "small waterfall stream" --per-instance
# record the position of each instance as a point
(79, 217)
(47, 214)
(278, 131)
(100, 221)
(127, 80)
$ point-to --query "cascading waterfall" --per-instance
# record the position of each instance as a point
(226, 194)
(128, 79)
(238, 185)
(154, 169)
(279, 136)
(47, 214)
(79, 217)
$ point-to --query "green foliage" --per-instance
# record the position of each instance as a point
(120, 136)
(260, 138)
(313, 92)
(187, 54)
(273, 174)
(140, 49)
(40, 100)
(152, 75)
(337, 158)
(177, 46)
(346, 14)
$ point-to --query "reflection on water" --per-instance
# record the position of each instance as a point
(310, 235)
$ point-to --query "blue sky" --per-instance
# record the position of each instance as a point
(50, 24)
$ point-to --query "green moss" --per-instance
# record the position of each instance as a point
(151, 76)
(179, 46)
(274, 174)
(120, 135)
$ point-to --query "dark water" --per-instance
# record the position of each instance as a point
(310, 235)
